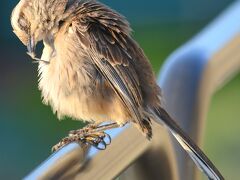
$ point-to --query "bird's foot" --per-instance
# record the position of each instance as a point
(99, 140)
(92, 134)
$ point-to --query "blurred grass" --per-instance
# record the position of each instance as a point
(222, 142)
(29, 128)
(159, 41)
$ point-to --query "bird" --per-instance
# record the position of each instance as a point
(91, 69)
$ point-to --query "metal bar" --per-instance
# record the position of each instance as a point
(195, 71)
(127, 146)
(62, 164)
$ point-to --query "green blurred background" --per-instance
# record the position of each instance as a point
(28, 128)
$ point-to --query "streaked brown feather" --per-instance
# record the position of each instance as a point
(106, 41)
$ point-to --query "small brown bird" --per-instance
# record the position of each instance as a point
(91, 69)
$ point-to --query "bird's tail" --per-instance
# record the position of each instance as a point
(197, 155)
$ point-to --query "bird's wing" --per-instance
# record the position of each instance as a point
(104, 36)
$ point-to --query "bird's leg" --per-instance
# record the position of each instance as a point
(93, 128)
(84, 130)
(91, 134)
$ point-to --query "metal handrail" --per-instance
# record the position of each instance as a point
(195, 71)
(127, 146)
(189, 78)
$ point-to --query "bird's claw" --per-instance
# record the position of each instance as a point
(99, 140)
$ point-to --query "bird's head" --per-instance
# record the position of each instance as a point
(34, 20)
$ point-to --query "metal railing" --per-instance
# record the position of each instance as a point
(189, 78)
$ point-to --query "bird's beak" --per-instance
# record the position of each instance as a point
(31, 46)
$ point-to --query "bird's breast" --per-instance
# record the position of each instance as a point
(69, 87)
(73, 87)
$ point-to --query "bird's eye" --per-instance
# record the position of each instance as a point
(23, 23)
